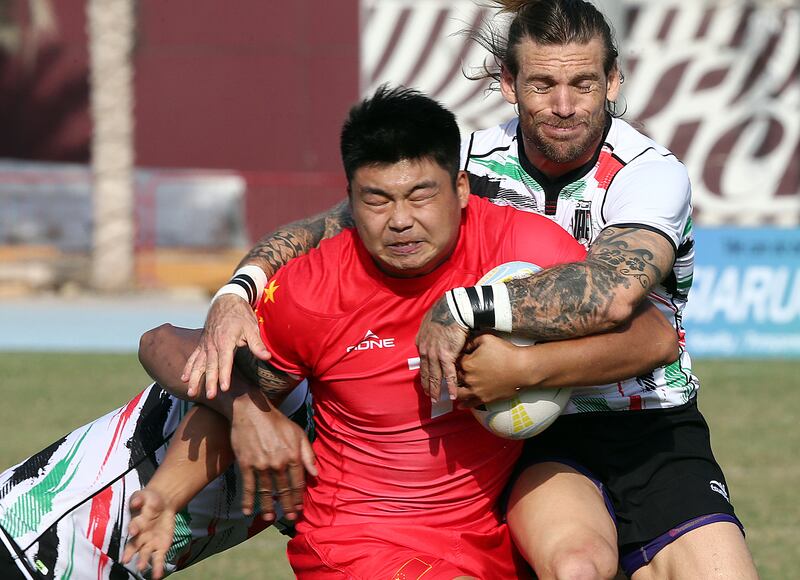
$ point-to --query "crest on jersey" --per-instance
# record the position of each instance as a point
(582, 223)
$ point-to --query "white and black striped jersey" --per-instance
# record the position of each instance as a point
(630, 182)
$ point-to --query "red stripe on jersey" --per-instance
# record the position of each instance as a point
(99, 516)
(104, 559)
(126, 415)
(636, 403)
(607, 168)
(656, 298)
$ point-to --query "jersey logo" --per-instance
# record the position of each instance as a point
(371, 341)
(719, 487)
(582, 223)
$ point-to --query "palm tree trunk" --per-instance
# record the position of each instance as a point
(111, 33)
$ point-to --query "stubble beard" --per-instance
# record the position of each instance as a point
(566, 151)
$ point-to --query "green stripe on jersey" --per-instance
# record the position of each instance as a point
(589, 404)
(29, 508)
(68, 572)
(688, 227)
(675, 376)
(510, 169)
(182, 534)
(573, 191)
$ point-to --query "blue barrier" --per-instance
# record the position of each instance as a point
(745, 296)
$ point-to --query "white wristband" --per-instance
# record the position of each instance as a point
(248, 283)
(458, 302)
(481, 307)
(231, 289)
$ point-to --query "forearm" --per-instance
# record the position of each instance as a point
(566, 301)
(295, 239)
(646, 342)
(622, 266)
(199, 452)
(273, 383)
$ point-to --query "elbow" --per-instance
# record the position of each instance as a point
(149, 344)
(665, 343)
(669, 350)
(617, 313)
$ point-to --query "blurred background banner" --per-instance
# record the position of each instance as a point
(745, 297)
(228, 117)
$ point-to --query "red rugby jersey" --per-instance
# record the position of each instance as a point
(385, 453)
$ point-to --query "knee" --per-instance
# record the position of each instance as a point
(585, 563)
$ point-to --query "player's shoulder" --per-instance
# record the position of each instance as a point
(631, 146)
(497, 140)
(321, 282)
(643, 158)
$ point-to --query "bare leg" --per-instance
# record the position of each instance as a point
(561, 525)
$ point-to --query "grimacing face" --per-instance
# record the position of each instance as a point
(408, 214)
(561, 92)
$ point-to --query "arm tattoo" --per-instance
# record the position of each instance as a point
(272, 382)
(576, 299)
(295, 239)
(440, 313)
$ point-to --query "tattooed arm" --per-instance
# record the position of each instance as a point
(621, 268)
(565, 301)
(297, 238)
(230, 322)
(272, 382)
(493, 368)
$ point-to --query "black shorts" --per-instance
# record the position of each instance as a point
(655, 466)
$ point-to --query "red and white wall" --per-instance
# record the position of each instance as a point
(716, 81)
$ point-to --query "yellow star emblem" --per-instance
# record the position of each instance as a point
(269, 292)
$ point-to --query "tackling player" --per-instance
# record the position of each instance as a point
(64, 511)
(407, 486)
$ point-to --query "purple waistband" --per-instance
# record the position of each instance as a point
(643, 555)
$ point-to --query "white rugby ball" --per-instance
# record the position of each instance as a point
(532, 410)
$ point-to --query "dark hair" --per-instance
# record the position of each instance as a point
(396, 124)
(545, 22)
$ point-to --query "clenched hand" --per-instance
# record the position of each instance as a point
(491, 370)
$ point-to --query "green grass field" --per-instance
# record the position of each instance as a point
(752, 407)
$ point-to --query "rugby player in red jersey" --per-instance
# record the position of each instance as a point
(406, 486)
